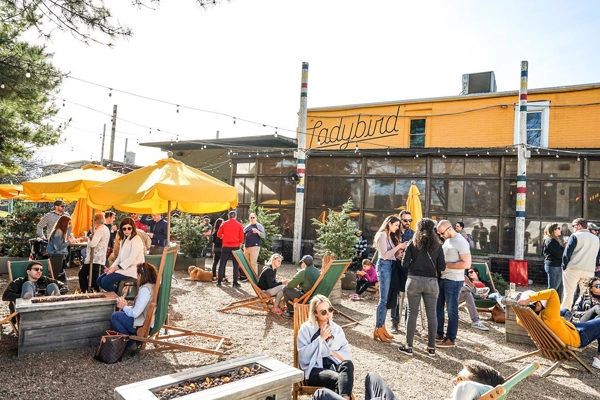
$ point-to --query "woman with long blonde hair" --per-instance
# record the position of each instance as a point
(387, 242)
(553, 250)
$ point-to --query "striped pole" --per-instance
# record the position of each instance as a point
(300, 166)
(521, 166)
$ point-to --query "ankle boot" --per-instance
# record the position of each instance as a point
(378, 334)
(385, 332)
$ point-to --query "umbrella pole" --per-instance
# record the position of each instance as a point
(169, 224)
(91, 260)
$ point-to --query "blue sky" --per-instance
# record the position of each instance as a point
(243, 59)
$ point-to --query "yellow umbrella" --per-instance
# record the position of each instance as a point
(413, 204)
(166, 185)
(9, 191)
(69, 186)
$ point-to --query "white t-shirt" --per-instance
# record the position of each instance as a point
(469, 390)
(453, 248)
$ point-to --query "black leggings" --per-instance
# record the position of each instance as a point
(340, 380)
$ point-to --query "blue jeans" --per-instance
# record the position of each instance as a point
(555, 279)
(109, 282)
(449, 293)
(122, 323)
(588, 332)
(384, 275)
(30, 287)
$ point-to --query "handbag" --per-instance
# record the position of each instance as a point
(498, 314)
(111, 347)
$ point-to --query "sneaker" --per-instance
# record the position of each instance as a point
(352, 296)
(596, 363)
(219, 284)
(288, 314)
(236, 285)
(405, 350)
(479, 325)
(395, 328)
(276, 310)
(430, 352)
(446, 343)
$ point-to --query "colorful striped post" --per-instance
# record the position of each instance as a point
(521, 166)
(300, 165)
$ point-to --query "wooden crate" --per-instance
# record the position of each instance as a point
(515, 333)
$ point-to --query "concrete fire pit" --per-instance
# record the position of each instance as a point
(274, 384)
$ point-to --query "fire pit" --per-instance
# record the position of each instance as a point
(63, 322)
(256, 377)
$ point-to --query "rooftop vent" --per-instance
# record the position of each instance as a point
(481, 82)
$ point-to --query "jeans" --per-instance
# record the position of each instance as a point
(340, 381)
(417, 288)
(216, 259)
(57, 261)
(588, 332)
(467, 296)
(375, 388)
(84, 274)
(226, 253)
(555, 280)
(121, 323)
(109, 282)
(449, 293)
(30, 287)
(384, 275)
(591, 314)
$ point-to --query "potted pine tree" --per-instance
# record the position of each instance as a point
(188, 231)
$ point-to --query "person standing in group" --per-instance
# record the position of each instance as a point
(158, 228)
(424, 260)
(459, 227)
(207, 229)
(482, 237)
(324, 353)
(58, 246)
(578, 260)
(360, 248)
(98, 241)
(109, 221)
(552, 250)
(387, 244)
(131, 253)
(254, 232)
(398, 282)
(267, 281)
(217, 243)
(48, 220)
(139, 225)
(232, 234)
(457, 254)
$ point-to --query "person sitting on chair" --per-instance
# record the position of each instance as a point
(365, 278)
(475, 379)
(130, 318)
(576, 334)
(323, 351)
(267, 281)
(301, 283)
(33, 285)
(587, 306)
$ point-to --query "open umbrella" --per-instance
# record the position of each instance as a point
(166, 185)
(9, 191)
(69, 186)
(413, 204)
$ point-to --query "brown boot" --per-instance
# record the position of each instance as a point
(395, 328)
(385, 332)
(378, 334)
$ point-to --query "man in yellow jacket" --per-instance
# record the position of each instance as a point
(577, 334)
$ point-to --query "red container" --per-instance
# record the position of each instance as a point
(517, 270)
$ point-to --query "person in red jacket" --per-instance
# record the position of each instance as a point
(232, 234)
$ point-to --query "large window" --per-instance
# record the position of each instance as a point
(538, 119)
(332, 192)
(417, 133)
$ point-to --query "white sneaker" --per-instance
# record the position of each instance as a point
(596, 363)
(479, 325)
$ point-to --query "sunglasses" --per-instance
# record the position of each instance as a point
(445, 230)
(127, 228)
(252, 217)
(37, 269)
(407, 220)
(324, 312)
(471, 271)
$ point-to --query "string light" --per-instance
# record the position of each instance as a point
(276, 134)
(28, 73)
(177, 110)
(109, 92)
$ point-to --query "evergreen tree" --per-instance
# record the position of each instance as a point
(337, 235)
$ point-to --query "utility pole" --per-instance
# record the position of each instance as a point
(521, 166)
(300, 155)
(112, 135)
(102, 149)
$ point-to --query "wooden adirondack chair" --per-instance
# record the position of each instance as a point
(330, 275)
(16, 269)
(484, 305)
(300, 317)
(159, 306)
(549, 345)
(263, 301)
(501, 391)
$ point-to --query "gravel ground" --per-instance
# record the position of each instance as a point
(75, 374)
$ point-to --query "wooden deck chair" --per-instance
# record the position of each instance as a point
(501, 391)
(483, 305)
(549, 345)
(300, 317)
(17, 269)
(330, 275)
(263, 301)
(159, 307)
(128, 287)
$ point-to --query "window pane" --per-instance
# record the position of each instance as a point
(534, 128)
(448, 166)
(594, 201)
(561, 168)
(245, 168)
(594, 167)
(276, 166)
(482, 166)
(245, 188)
(379, 193)
(446, 196)
(481, 197)
(532, 201)
(331, 192)
(268, 191)
(391, 166)
(534, 166)
(332, 166)
(417, 133)
(510, 198)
